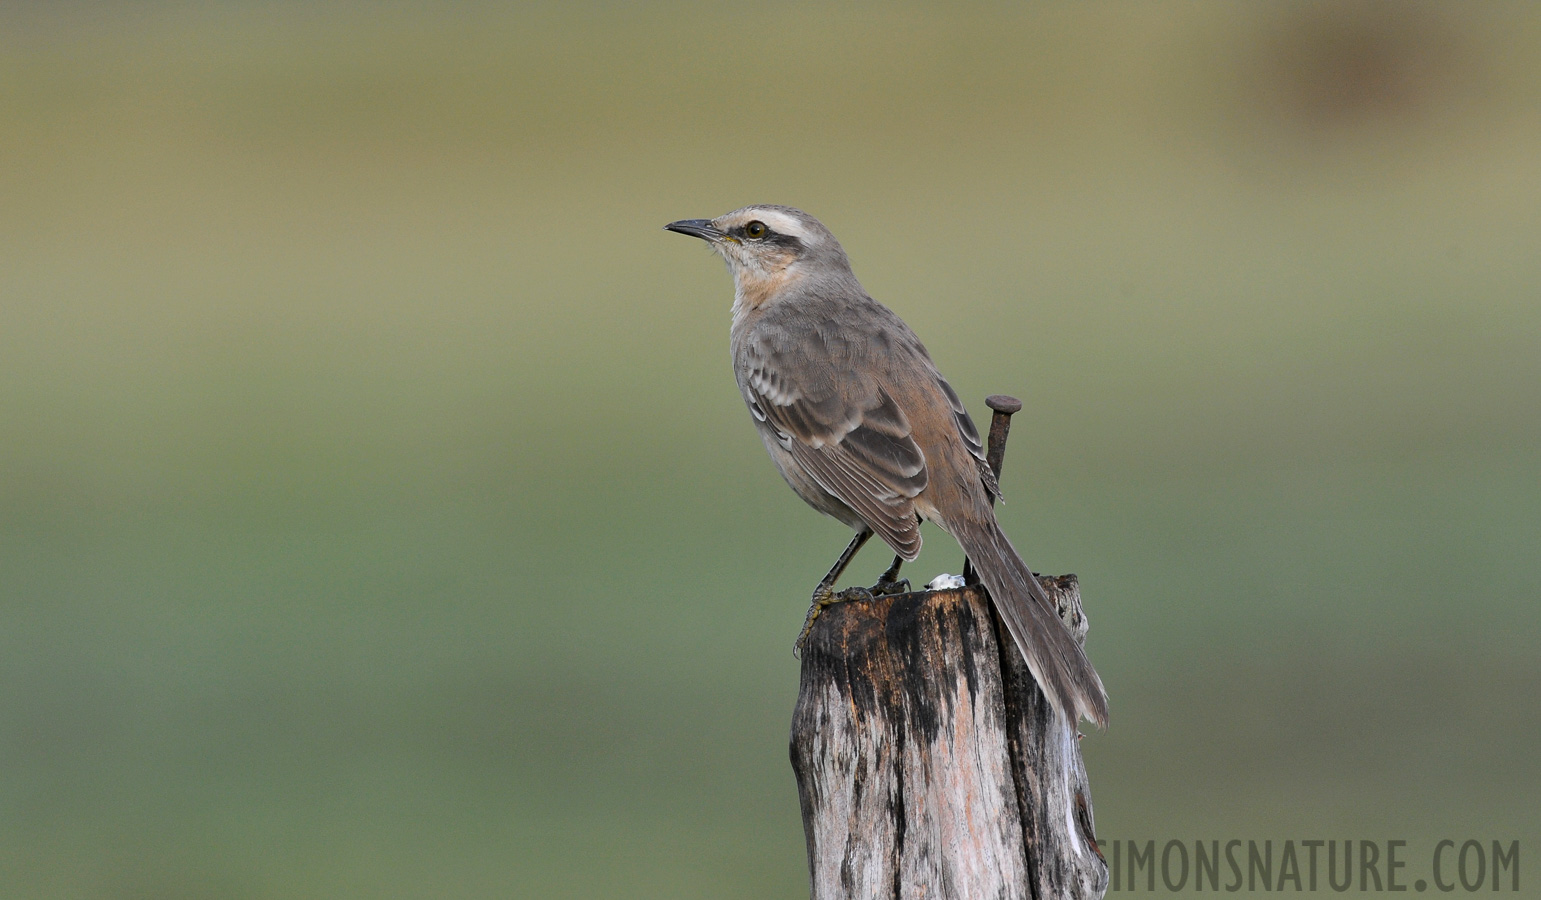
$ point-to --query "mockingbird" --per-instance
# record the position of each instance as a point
(865, 429)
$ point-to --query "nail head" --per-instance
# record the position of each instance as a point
(1003, 403)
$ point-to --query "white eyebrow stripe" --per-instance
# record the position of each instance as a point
(783, 223)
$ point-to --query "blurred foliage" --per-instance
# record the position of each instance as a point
(380, 519)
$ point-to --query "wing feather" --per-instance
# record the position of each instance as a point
(842, 427)
(891, 517)
(971, 438)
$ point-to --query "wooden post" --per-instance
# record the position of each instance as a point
(930, 765)
(928, 762)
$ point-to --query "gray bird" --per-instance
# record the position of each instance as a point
(864, 428)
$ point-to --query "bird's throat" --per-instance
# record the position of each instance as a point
(753, 289)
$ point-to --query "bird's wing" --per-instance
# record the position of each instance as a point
(830, 412)
(970, 436)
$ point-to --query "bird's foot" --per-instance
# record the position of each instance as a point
(886, 586)
(824, 598)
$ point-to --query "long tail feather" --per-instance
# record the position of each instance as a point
(1053, 656)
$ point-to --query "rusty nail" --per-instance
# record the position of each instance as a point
(1000, 427)
(1004, 407)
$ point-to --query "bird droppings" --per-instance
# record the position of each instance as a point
(945, 582)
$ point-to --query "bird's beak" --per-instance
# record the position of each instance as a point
(701, 228)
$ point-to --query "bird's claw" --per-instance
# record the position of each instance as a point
(822, 600)
(885, 587)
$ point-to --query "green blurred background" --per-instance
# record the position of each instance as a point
(380, 518)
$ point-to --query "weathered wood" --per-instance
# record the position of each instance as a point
(928, 762)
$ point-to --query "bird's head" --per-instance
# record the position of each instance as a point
(767, 248)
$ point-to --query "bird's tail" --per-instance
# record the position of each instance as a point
(1053, 656)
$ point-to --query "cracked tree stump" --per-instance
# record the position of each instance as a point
(930, 765)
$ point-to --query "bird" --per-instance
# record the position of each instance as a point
(864, 428)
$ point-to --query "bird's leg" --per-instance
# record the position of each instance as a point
(889, 582)
(824, 595)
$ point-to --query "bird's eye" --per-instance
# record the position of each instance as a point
(756, 229)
